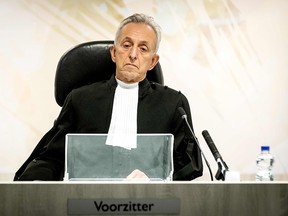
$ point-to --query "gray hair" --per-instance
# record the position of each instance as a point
(141, 18)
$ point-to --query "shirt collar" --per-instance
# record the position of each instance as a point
(126, 85)
(144, 85)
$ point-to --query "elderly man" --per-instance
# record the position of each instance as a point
(126, 104)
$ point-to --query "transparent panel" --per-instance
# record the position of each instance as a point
(89, 158)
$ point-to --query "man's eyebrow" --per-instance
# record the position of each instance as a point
(130, 39)
(126, 38)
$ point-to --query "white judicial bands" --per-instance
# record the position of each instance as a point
(123, 206)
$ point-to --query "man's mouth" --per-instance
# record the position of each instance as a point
(131, 65)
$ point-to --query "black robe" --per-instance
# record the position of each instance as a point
(88, 110)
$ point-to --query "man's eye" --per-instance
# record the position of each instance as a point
(126, 45)
(143, 49)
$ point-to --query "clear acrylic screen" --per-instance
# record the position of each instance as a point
(89, 158)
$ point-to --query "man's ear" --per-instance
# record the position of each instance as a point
(154, 61)
(112, 52)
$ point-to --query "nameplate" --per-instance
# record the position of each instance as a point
(123, 206)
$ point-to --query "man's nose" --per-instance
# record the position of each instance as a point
(133, 54)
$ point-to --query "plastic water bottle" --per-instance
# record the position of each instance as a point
(264, 163)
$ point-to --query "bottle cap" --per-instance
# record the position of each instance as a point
(265, 148)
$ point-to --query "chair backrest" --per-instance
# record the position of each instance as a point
(87, 63)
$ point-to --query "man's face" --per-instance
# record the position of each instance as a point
(134, 53)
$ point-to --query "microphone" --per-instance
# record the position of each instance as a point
(184, 116)
(222, 167)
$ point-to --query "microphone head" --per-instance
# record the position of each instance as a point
(205, 133)
(211, 144)
(182, 112)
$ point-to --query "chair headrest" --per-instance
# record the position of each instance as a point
(87, 63)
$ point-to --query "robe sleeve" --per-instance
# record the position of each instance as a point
(187, 155)
(46, 161)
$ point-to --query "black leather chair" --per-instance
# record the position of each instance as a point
(87, 63)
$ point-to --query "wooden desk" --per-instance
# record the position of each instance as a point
(196, 198)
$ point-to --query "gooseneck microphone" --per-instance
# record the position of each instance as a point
(184, 116)
(222, 167)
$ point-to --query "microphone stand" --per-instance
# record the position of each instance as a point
(222, 169)
(222, 166)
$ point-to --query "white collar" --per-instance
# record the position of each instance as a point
(126, 85)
